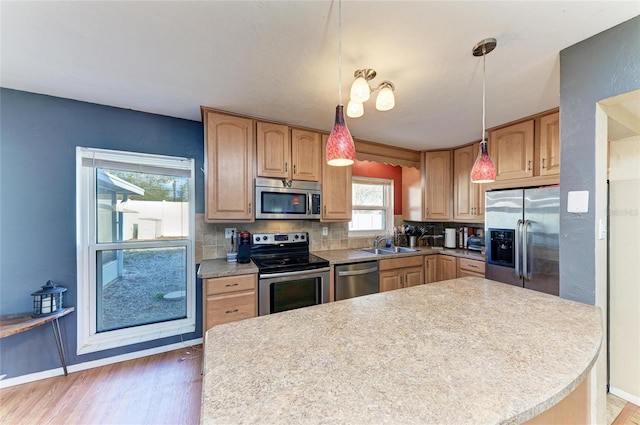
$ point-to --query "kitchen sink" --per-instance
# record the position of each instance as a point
(390, 250)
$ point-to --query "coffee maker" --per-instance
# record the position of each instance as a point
(244, 247)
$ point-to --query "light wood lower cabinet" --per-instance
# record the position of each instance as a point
(467, 267)
(402, 272)
(447, 267)
(430, 268)
(228, 299)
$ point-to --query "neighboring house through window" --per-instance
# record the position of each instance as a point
(135, 240)
(372, 206)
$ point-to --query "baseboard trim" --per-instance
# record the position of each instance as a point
(624, 395)
(23, 379)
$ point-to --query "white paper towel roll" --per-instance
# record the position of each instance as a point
(449, 238)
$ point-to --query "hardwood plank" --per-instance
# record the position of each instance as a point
(160, 389)
(630, 415)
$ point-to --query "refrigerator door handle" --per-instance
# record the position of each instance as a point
(516, 252)
(525, 257)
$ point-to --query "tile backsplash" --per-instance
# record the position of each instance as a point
(211, 243)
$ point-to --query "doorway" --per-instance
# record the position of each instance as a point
(622, 251)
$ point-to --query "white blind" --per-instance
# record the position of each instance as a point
(140, 162)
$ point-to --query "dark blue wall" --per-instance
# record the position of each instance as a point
(603, 66)
(38, 137)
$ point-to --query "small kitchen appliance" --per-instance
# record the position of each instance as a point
(244, 247)
(449, 238)
(289, 277)
(475, 243)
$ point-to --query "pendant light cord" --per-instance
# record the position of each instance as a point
(484, 59)
(339, 52)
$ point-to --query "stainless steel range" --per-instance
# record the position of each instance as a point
(289, 276)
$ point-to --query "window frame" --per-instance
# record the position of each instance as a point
(87, 160)
(388, 185)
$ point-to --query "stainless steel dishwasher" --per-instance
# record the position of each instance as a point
(356, 279)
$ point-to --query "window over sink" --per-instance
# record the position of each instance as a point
(372, 206)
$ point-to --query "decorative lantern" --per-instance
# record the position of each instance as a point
(48, 300)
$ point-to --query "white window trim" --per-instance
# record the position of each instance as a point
(390, 207)
(88, 340)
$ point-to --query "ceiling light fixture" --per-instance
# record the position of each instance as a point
(340, 150)
(483, 171)
(361, 92)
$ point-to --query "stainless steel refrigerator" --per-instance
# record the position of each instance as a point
(522, 231)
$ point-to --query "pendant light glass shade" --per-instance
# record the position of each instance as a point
(385, 99)
(483, 170)
(360, 90)
(355, 109)
(341, 150)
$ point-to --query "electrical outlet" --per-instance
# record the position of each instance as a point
(325, 231)
(228, 231)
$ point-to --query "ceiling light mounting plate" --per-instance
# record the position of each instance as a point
(484, 47)
(367, 73)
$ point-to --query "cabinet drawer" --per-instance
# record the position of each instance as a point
(401, 262)
(474, 266)
(464, 273)
(225, 285)
(230, 307)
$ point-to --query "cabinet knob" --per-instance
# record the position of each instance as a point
(286, 167)
(543, 163)
(325, 209)
(529, 165)
(231, 284)
(235, 310)
(294, 169)
(249, 206)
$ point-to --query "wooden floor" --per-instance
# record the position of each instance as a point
(622, 412)
(160, 389)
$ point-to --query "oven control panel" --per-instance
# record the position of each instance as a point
(279, 238)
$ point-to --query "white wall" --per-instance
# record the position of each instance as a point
(624, 292)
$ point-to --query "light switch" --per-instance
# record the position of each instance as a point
(578, 201)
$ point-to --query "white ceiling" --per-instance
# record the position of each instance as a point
(278, 60)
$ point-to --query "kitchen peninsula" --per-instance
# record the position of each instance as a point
(467, 350)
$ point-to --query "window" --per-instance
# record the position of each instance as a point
(135, 241)
(372, 206)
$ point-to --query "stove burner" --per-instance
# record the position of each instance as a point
(268, 263)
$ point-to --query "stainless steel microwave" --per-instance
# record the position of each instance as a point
(287, 199)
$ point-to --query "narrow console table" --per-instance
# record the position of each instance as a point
(12, 324)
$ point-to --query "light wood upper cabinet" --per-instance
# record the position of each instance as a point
(550, 144)
(511, 149)
(468, 197)
(288, 154)
(274, 150)
(336, 190)
(412, 194)
(437, 187)
(306, 155)
(229, 167)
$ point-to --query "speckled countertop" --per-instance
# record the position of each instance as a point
(463, 351)
(220, 267)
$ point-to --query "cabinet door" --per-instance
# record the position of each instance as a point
(447, 268)
(390, 280)
(229, 168)
(437, 195)
(412, 194)
(274, 150)
(511, 149)
(336, 190)
(306, 147)
(430, 268)
(550, 144)
(463, 189)
(413, 276)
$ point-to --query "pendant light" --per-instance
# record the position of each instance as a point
(341, 150)
(483, 171)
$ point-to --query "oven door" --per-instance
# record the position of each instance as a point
(287, 291)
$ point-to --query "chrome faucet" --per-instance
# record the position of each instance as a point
(378, 239)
